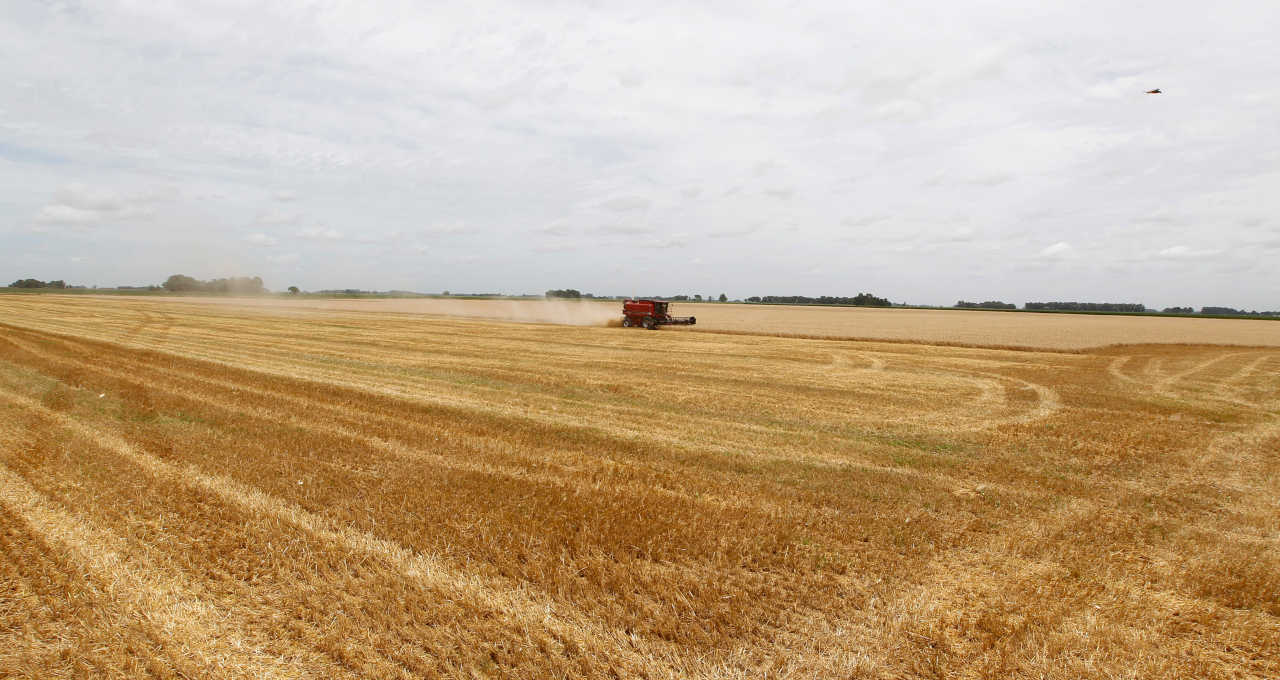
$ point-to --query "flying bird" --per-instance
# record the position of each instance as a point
(1155, 91)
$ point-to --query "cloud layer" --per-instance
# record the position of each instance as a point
(920, 150)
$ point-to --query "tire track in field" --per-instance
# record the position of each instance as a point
(321, 417)
(195, 626)
(840, 359)
(54, 619)
(792, 511)
(651, 569)
(513, 600)
(749, 434)
(1116, 368)
(407, 393)
(1227, 389)
(657, 569)
(571, 479)
(992, 393)
(1164, 385)
(323, 370)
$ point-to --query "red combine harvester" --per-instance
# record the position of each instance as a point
(650, 314)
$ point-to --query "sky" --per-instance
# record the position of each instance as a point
(922, 151)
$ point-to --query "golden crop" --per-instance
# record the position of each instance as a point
(945, 326)
(219, 491)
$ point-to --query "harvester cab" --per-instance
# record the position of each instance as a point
(650, 314)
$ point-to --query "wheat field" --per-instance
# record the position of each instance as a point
(962, 327)
(219, 491)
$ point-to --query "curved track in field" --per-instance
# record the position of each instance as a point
(208, 493)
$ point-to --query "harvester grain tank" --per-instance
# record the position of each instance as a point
(650, 314)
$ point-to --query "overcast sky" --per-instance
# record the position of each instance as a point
(923, 151)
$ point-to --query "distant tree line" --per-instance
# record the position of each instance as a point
(36, 283)
(567, 293)
(859, 300)
(1110, 307)
(1086, 306)
(1229, 311)
(180, 283)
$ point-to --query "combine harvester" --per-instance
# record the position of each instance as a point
(650, 314)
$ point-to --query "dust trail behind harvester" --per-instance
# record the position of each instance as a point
(566, 312)
(532, 310)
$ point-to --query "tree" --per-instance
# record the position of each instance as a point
(181, 283)
(293, 290)
(569, 293)
(1086, 306)
(697, 298)
(724, 298)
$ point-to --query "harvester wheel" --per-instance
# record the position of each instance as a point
(648, 323)
(626, 322)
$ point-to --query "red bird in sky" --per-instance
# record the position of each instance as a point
(1155, 91)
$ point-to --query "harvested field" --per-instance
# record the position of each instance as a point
(967, 327)
(217, 491)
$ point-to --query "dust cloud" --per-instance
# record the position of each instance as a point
(564, 312)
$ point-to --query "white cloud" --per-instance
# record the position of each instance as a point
(320, 233)
(625, 204)
(482, 122)
(445, 228)
(277, 215)
(76, 203)
(66, 214)
(1058, 251)
(679, 240)
(733, 232)
(962, 234)
(260, 239)
(624, 229)
(1185, 253)
(556, 229)
(630, 79)
(556, 248)
(863, 221)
